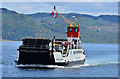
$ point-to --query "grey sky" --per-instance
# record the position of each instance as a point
(60, 0)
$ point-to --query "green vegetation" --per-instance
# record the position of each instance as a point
(101, 29)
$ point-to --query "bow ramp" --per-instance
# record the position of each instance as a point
(34, 51)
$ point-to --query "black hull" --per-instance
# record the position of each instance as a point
(35, 57)
(81, 62)
(42, 57)
(36, 53)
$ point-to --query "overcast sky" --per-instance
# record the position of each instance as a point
(60, 0)
(92, 8)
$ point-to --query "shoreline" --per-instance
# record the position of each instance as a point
(9, 41)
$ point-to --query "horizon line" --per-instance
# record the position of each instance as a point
(64, 13)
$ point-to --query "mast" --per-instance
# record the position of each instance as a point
(70, 23)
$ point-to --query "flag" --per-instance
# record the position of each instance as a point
(55, 16)
(52, 13)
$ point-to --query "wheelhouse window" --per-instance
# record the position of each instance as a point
(70, 29)
(75, 29)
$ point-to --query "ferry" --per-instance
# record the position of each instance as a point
(45, 52)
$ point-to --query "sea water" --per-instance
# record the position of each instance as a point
(101, 61)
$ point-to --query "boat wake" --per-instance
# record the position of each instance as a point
(79, 66)
(75, 66)
(65, 67)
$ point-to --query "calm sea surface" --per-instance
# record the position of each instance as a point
(101, 61)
